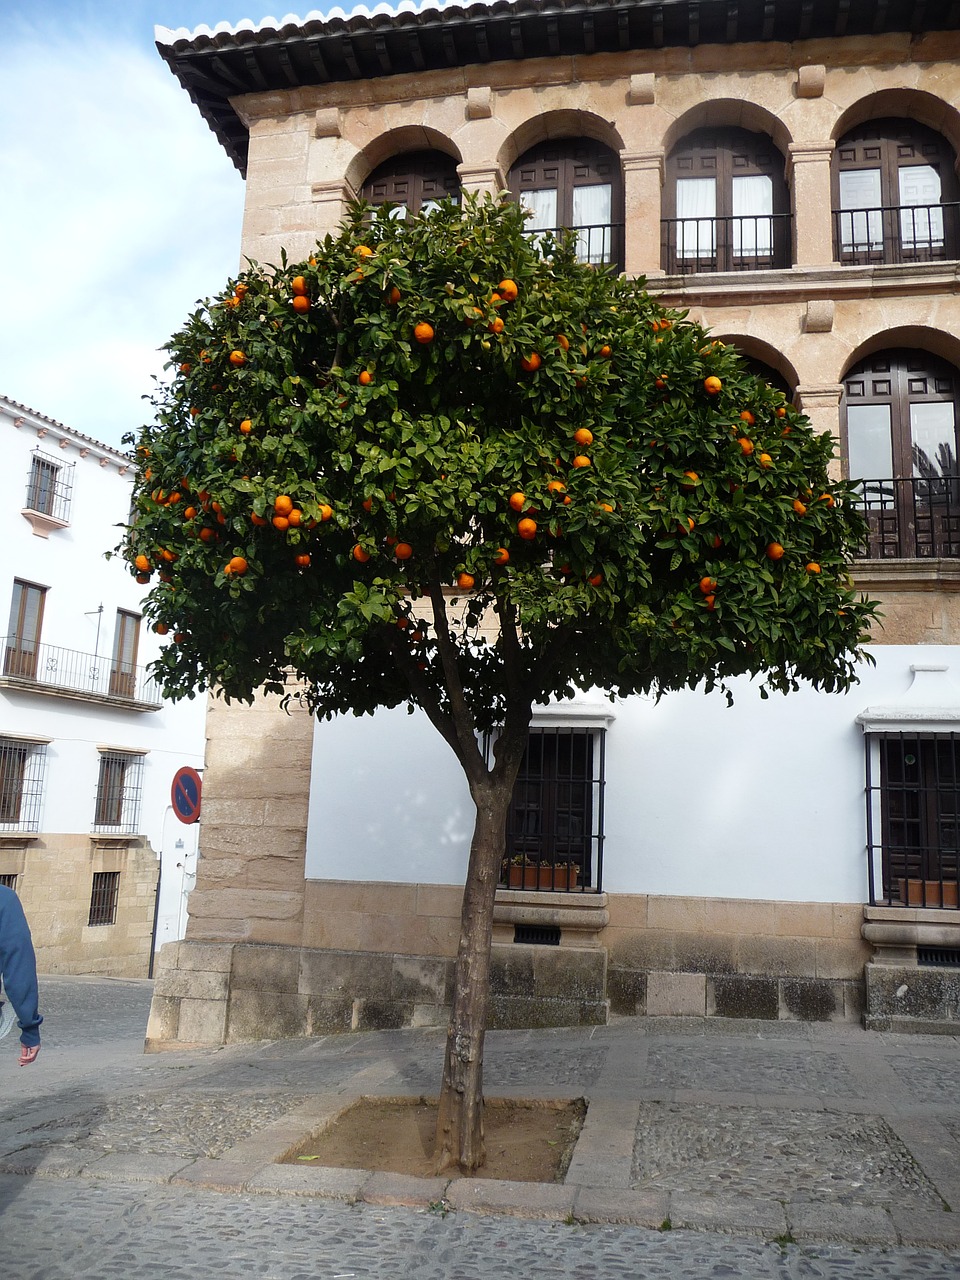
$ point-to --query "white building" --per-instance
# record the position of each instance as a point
(88, 750)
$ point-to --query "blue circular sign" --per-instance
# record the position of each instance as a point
(185, 794)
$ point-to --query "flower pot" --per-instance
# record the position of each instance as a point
(927, 893)
(543, 877)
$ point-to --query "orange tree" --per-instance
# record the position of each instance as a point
(440, 463)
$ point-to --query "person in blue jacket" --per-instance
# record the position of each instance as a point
(18, 970)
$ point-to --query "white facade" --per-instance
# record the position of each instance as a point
(65, 500)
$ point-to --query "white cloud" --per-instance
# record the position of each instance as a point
(119, 209)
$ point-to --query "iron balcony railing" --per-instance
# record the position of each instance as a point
(67, 671)
(600, 245)
(50, 486)
(896, 233)
(915, 518)
(747, 242)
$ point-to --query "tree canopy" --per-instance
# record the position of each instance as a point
(449, 403)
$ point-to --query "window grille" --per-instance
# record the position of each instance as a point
(541, 935)
(50, 486)
(103, 897)
(119, 792)
(21, 784)
(9, 880)
(913, 819)
(939, 957)
(554, 838)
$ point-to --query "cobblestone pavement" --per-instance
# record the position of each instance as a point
(710, 1148)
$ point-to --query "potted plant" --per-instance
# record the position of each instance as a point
(520, 872)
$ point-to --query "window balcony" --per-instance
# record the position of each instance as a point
(599, 245)
(747, 242)
(896, 234)
(88, 677)
(911, 519)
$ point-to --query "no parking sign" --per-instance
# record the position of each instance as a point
(185, 794)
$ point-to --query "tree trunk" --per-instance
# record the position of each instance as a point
(459, 1141)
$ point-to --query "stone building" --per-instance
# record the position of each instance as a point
(88, 749)
(788, 174)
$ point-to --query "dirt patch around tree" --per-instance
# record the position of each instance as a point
(526, 1141)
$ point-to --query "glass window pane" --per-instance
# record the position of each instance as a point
(921, 226)
(543, 206)
(933, 439)
(860, 191)
(697, 209)
(869, 445)
(752, 198)
(592, 209)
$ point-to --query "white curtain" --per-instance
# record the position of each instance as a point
(861, 220)
(697, 211)
(752, 229)
(593, 210)
(920, 228)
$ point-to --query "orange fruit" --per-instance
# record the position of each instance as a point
(173, 499)
(301, 305)
(242, 290)
(508, 290)
(237, 358)
(207, 535)
(326, 511)
(465, 581)
(143, 578)
(302, 561)
(688, 527)
(745, 444)
(169, 556)
(365, 378)
(530, 363)
(246, 426)
(363, 251)
(581, 460)
(496, 326)
(283, 505)
(295, 517)
(527, 528)
(423, 332)
(258, 520)
(161, 628)
(298, 285)
(747, 417)
(799, 507)
(360, 555)
(660, 383)
(563, 342)
(765, 460)
(237, 565)
(281, 523)
(606, 351)
(710, 601)
(693, 479)
(708, 585)
(142, 563)
(781, 412)
(595, 580)
(827, 498)
(190, 513)
(813, 567)
(194, 411)
(392, 296)
(403, 551)
(583, 436)
(605, 506)
(774, 551)
(517, 501)
(712, 385)
(555, 486)
(501, 556)
(179, 637)
(185, 368)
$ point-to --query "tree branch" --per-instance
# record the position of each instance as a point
(469, 755)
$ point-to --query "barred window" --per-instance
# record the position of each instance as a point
(22, 766)
(103, 897)
(50, 486)
(9, 880)
(119, 792)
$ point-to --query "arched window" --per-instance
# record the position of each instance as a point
(895, 194)
(414, 181)
(574, 183)
(770, 375)
(726, 203)
(900, 436)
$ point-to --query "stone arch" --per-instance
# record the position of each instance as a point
(906, 104)
(917, 336)
(755, 349)
(731, 112)
(557, 124)
(412, 137)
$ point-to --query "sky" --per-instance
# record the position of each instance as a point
(118, 207)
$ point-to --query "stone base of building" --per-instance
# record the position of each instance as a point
(906, 989)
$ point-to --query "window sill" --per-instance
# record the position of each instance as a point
(907, 575)
(831, 280)
(27, 685)
(18, 839)
(104, 840)
(42, 524)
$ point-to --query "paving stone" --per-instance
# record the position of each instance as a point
(641, 1208)
(399, 1188)
(523, 1199)
(832, 1222)
(738, 1215)
(311, 1180)
(919, 1227)
(135, 1168)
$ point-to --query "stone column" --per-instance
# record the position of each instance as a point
(809, 169)
(485, 179)
(821, 404)
(642, 192)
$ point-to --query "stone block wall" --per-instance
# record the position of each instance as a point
(54, 879)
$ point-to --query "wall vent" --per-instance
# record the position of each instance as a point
(941, 957)
(540, 935)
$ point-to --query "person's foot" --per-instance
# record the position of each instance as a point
(28, 1054)
(7, 1018)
